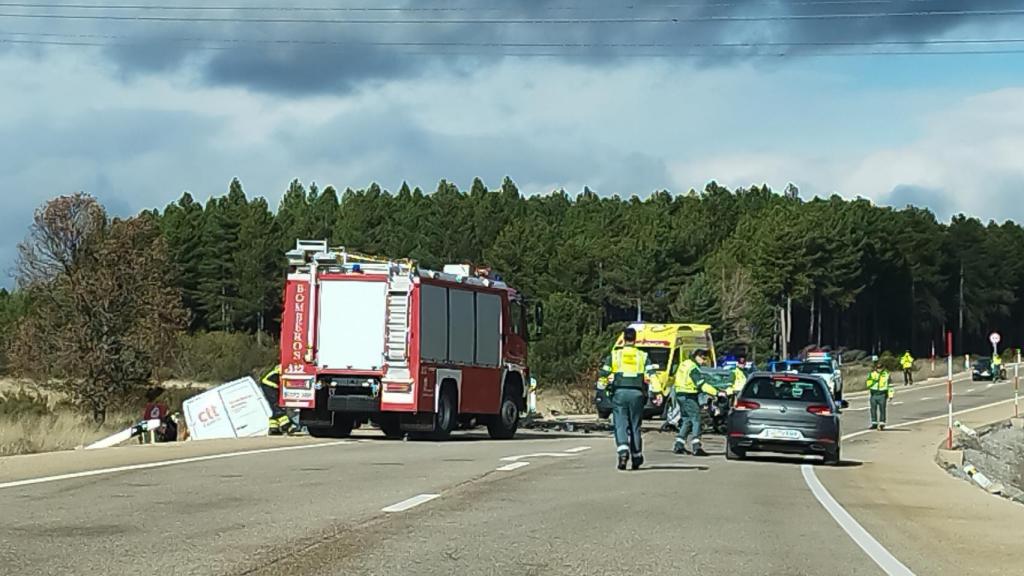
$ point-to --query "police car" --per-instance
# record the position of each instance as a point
(828, 368)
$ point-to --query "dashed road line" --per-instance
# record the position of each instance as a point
(578, 449)
(512, 466)
(969, 390)
(164, 463)
(410, 503)
(536, 455)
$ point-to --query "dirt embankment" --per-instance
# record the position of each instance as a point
(35, 420)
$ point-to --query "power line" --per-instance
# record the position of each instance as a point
(407, 9)
(140, 40)
(569, 54)
(418, 21)
(531, 21)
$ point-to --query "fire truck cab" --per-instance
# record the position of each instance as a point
(410, 349)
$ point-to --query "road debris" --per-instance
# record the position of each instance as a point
(993, 459)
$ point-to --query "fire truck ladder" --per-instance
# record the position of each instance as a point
(397, 351)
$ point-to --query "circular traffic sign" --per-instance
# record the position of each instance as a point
(994, 338)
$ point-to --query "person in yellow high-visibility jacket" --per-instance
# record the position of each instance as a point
(880, 391)
(997, 367)
(739, 377)
(689, 383)
(907, 364)
(628, 371)
(280, 423)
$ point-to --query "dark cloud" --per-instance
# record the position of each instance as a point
(394, 143)
(341, 60)
(937, 200)
(121, 156)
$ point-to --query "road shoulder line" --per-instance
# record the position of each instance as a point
(929, 419)
(163, 463)
(885, 560)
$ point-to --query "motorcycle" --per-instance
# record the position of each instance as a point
(717, 412)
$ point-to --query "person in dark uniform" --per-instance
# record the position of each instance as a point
(689, 383)
(628, 371)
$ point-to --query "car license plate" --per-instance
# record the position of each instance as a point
(776, 434)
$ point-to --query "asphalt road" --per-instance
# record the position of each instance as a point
(476, 508)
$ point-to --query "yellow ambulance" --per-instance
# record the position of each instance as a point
(667, 345)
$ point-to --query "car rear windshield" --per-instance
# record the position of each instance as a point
(815, 368)
(657, 356)
(784, 389)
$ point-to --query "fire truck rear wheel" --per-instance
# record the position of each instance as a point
(446, 418)
(342, 428)
(391, 426)
(503, 426)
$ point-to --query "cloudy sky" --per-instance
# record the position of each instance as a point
(138, 105)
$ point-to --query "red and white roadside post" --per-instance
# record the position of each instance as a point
(949, 389)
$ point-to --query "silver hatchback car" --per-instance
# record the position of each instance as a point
(786, 413)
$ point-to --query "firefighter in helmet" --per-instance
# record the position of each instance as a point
(280, 423)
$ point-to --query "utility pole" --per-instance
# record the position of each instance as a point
(783, 331)
(913, 309)
(789, 321)
(960, 327)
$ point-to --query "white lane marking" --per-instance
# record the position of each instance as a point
(512, 466)
(931, 419)
(163, 463)
(897, 403)
(856, 409)
(886, 561)
(956, 378)
(578, 449)
(969, 390)
(924, 398)
(410, 503)
(536, 455)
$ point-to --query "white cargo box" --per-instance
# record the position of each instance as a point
(457, 269)
(237, 409)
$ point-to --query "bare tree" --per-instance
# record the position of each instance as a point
(104, 317)
(736, 295)
(60, 239)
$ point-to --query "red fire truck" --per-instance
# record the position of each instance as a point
(412, 350)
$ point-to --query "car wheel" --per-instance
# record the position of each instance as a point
(832, 457)
(733, 452)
